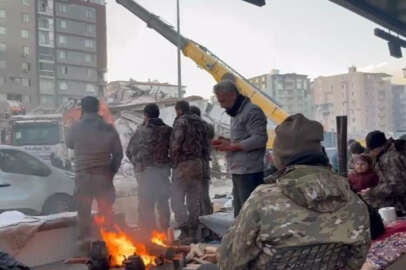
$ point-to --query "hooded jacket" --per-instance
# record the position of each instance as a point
(301, 205)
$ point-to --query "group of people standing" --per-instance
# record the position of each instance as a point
(155, 149)
(170, 163)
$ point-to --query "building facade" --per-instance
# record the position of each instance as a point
(292, 91)
(366, 98)
(399, 109)
(59, 46)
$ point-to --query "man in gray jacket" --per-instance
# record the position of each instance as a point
(246, 147)
(98, 154)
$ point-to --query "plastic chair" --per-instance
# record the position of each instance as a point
(331, 256)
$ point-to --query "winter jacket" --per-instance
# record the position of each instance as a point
(360, 181)
(149, 146)
(307, 205)
(248, 128)
(189, 139)
(96, 144)
(390, 166)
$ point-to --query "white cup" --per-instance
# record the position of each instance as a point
(388, 214)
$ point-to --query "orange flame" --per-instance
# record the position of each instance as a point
(121, 246)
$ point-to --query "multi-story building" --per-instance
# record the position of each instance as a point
(292, 91)
(366, 98)
(399, 109)
(53, 50)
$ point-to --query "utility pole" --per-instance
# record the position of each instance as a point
(178, 45)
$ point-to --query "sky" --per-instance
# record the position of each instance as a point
(313, 37)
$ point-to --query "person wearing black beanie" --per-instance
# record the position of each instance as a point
(390, 166)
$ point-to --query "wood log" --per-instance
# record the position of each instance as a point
(78, 260)
(160, 251)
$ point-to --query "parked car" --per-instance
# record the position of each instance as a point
(32, 185)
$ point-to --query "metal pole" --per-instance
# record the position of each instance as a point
(179, 45)
(342, 145)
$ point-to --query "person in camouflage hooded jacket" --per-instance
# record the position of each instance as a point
(148, 150)
(304, 203)
(188, 148)
(390, 166)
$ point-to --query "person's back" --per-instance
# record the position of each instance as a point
(94, 142)
(304, 203)
(189, 138)
(150, 144)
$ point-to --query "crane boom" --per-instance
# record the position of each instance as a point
(208, 61)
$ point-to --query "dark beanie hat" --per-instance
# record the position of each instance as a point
(90, 104)
(375, 139)
(357, 148)
(152, 110)
(296, 135)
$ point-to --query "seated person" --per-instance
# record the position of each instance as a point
(356, 149)
(304, 203)
(363, 176)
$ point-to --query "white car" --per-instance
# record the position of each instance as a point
(33, 186)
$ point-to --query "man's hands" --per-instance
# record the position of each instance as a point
(225, 145)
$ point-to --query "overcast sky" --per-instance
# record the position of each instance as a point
(314, 37)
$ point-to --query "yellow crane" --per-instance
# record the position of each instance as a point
(210, 62)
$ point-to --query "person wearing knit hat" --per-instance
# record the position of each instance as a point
(375, 141)
(301, 204)
(298, 141)
(390, 166)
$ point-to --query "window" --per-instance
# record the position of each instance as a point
(90, 13)
(17, 162)
(3, 64)
(26, 18)
(26, 3)
(63, 24)
(88, 58)
(26, 82)
(91, 88)
(63, 86)
(3, 30)
(62, 40)
(43, 5)
(2, 80)
(3, 14)
(63, 8)
(91, 73)
(3, 47)
(25, 67)
(91, 28)
(89, 43)
(62, 55)
(43, 22)
(25, 34)
(46, 67)
(26, 51)
(15, 97)
(47, 86)
(64, 70)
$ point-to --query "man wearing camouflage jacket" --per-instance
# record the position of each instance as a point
(188, 145)
(390, 166)
(303, 203)
(148, 150)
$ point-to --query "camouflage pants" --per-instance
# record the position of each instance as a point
(206, 205)
(93, 184)
(153, 194)
(187, 184)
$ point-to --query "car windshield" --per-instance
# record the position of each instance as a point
(38, 134)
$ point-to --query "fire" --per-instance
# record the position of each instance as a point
(121, 246)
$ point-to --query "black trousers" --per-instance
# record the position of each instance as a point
(243, 185)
